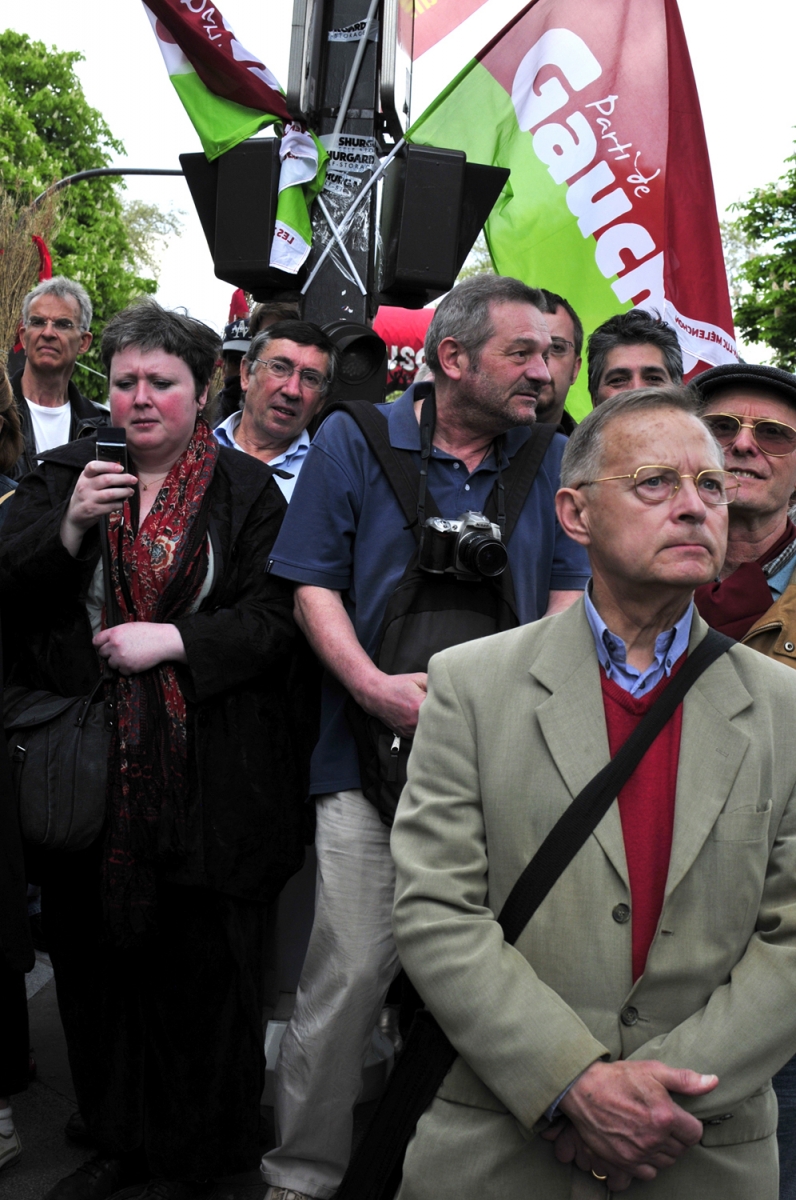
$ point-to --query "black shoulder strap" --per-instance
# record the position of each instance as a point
(589, 807)
(521, 472)
(400, 470)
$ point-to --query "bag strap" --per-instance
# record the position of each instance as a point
(522, 471)
(589, 807)
(400, 470)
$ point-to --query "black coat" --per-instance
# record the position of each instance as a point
(86, 418)
(16, 946)
(248, 685)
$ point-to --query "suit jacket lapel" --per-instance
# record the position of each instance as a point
(711, 752)
(572, 719)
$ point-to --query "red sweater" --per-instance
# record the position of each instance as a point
(646, 807)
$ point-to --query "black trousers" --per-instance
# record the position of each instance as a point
(13, 1032)
(165, 1041)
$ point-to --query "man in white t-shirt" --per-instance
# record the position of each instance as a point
(56, 317)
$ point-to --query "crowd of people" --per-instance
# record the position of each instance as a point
(256, 589)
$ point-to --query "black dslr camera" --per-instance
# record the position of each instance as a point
(470, 547)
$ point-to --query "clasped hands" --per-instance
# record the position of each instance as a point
(620, 1121)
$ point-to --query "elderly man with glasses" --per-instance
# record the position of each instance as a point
(56, 320)
(751, 410)
(285, 376)
(627, 1039)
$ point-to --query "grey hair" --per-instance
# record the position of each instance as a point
(582, 459)
(464, 313)
(60, 286)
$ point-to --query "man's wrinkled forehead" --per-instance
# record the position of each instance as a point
(657, 437)
(516, 322)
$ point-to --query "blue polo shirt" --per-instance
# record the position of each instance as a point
(345, 530)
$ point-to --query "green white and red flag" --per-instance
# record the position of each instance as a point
(229, 95)
(592, 104)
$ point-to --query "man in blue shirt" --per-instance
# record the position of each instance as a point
(285, 378)
(346, 544)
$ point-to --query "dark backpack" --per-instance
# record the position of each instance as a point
(428, 613)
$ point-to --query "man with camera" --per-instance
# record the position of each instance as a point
(348, 541)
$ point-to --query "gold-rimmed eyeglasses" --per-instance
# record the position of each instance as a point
(774, 438)
(656, 484)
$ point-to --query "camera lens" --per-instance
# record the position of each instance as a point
(483, 554)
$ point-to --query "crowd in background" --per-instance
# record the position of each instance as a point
(255, 587)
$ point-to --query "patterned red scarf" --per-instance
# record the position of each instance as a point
(163, 567)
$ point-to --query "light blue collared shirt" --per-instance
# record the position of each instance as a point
(777, 583)
(292, 460)
(612, 651)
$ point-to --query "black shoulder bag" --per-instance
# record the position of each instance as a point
(375, 1170)
(428, 613)
(59, 750)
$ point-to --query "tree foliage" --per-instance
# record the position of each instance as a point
(738, 248)
(47, 131)
(767, 313)
(478, 261)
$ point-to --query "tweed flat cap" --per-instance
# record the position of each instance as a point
(745, 375)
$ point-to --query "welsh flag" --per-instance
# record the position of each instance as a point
(230, 95)
(592, 105)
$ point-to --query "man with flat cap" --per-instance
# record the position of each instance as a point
(752, 411)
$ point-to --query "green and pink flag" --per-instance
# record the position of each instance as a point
(592, 104)
(230, 95)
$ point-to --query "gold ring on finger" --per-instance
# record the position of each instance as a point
(600, 1177)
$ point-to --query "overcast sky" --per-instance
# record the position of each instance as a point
(742, 56)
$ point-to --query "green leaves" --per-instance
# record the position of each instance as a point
(49, 130)
(767, 313)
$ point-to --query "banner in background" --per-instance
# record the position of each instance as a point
(229, 95)
(592, 105)
(404, 332)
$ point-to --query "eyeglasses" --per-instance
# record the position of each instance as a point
(282, 368)
(772, 437)
(558, 348)
(655, 485)
(61, 324)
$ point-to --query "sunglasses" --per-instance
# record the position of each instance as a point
(772, 437)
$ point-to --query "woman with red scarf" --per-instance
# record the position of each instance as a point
(155, 931)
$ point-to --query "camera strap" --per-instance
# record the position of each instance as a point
(410, 487)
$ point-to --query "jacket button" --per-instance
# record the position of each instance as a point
(629, 1015)
(789, 647)
(621, 914)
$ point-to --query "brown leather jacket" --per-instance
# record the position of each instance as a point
(775, 633)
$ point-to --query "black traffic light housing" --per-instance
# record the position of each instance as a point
(236, 197)
(362, 373)
(434, 204)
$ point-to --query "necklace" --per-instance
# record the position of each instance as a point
(146, 486)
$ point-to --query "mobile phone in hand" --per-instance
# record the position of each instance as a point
(112, 445)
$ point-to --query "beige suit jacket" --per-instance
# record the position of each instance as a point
(512, 729)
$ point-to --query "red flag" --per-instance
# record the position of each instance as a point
(45, 259)
(592, 105)
(225, 67)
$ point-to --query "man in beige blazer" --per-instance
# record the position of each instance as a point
(576, 1080)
